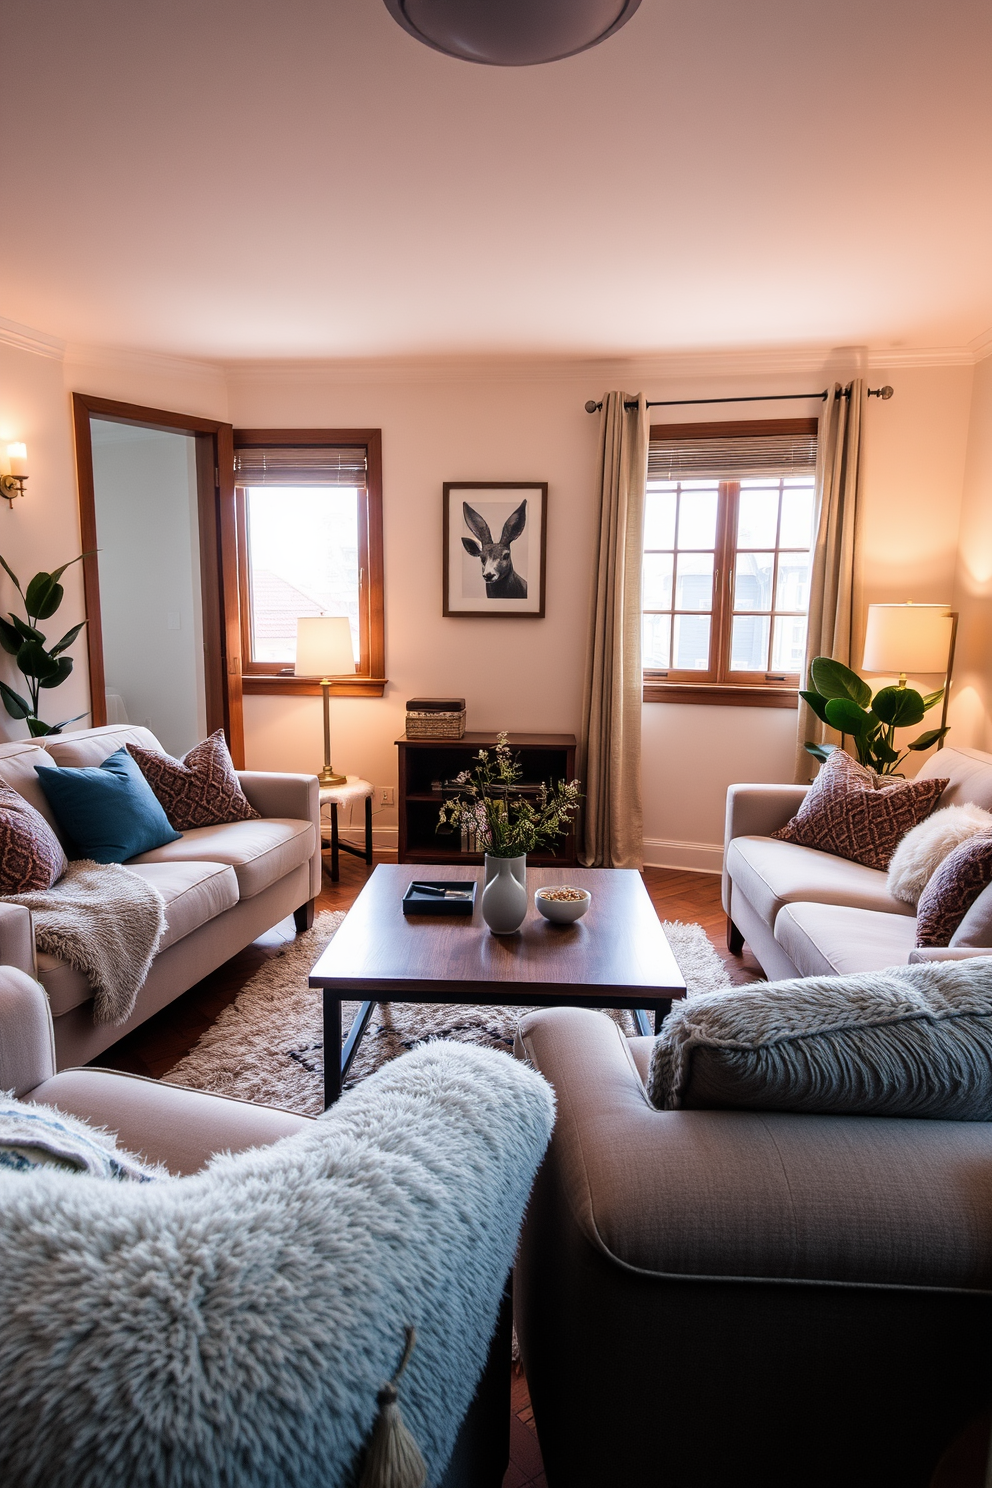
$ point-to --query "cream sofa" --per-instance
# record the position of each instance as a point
(222, 886)
(809, 913)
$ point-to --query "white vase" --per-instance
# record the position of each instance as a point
(504, 898)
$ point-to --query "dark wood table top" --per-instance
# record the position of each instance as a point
(615, 956)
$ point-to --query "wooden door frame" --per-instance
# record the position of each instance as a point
(218, 541)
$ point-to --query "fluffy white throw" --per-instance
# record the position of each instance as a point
(922, 850)
(234, 1328)
(104, 921)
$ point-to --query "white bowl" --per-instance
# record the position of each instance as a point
(562, 911)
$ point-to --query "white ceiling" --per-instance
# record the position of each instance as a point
(286, 178)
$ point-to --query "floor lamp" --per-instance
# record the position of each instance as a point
(912, 638)
(324, 650)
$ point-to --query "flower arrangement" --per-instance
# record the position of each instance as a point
(506, 822)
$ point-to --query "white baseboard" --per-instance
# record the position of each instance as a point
(384, 839)
(691, 857)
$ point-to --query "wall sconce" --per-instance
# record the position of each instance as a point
(13, 484)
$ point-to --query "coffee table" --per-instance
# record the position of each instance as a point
(616, 956)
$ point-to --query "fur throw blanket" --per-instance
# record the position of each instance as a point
(104, 921)
(233, 1328)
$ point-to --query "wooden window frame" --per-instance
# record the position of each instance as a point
(718, 686)
(260, 679)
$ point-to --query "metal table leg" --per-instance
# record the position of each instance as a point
(337, 1064)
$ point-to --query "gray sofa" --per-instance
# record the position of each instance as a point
(706, 1299)
(809, 913)
(222, 886)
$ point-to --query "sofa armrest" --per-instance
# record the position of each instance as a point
(757, 811)
(297, 796)
(27, 1040)
(947, 953)
(735, 1194)
(17, 946)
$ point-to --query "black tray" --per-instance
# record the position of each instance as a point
(414, 903)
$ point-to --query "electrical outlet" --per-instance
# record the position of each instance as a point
(386, 795)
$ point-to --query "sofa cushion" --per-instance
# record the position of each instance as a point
(969, 776)
(31, 855)
(851, 811)
(19, 764)
(86, 748)
(201, 789)
(911, 1041)
(770, 874)
(833, 939)
(109, 812)
(952, 891)
(259, 851)
(193, 893)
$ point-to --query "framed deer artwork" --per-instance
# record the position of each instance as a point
(495, 548)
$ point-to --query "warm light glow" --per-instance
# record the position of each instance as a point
(17, 456)
(323, 647)
(907, 638)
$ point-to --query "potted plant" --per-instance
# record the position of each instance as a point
(41, 665)
(508, 825)
(840, 698)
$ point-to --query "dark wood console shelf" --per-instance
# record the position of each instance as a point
(544, 757)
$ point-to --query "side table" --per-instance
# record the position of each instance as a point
(333, 796)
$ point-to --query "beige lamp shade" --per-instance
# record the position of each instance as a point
(908, 638)
(323, 647)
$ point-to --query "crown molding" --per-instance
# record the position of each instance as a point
(78, 354)
(925, 356)
(27, 339)
(981, 346)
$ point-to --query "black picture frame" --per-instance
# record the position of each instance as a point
(515, 549)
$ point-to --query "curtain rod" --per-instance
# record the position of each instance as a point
(885, 393)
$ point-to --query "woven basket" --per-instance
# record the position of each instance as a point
(435, 725)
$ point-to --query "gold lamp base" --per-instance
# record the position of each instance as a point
(327, 776)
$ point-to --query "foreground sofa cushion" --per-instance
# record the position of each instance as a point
(260, 852)
(851, 811)
(235, 1326)
(31, 855)
(835, 939)
(201, 789)
(909, 1041)
(108, 813)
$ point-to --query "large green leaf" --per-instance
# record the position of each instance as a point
(845, 715)
(819, 751)
(64, 665)
(10, 638)
(832, 679)
(25, 631)
(67, 639)
(932, 697)
(13, 702)
(899, 707)
(817, 703)
(37, 729)
(56, 728)
(44, 596)
(34, 661)
(11, 574)
(884, 753)
(925, 741)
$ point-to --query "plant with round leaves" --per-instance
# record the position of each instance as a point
(42, 666)
(842, 699)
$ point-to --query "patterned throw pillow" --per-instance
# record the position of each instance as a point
(201, 789)
(31, 855)
(848, 811)
(952, 891)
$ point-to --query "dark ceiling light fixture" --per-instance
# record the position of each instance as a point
(511, 33)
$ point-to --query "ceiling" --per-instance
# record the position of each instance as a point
(301, 178)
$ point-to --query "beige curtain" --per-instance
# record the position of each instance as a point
(836, 610)
(610, 747)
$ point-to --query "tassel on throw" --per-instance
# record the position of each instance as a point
(393, 1459)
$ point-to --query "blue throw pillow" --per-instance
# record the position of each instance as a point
(109, 813)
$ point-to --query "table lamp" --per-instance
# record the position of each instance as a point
(324, 650)
(911, 638)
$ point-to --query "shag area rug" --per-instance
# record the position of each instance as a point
(268, 1045)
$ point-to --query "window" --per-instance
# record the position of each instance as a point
(309, 517)
(727, 537)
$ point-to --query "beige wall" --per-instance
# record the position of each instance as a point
(971, 704)
(498, 421)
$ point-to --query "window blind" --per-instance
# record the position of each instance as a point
(742, 457)
(315, 465)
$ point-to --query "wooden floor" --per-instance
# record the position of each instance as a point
(160, 1043)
